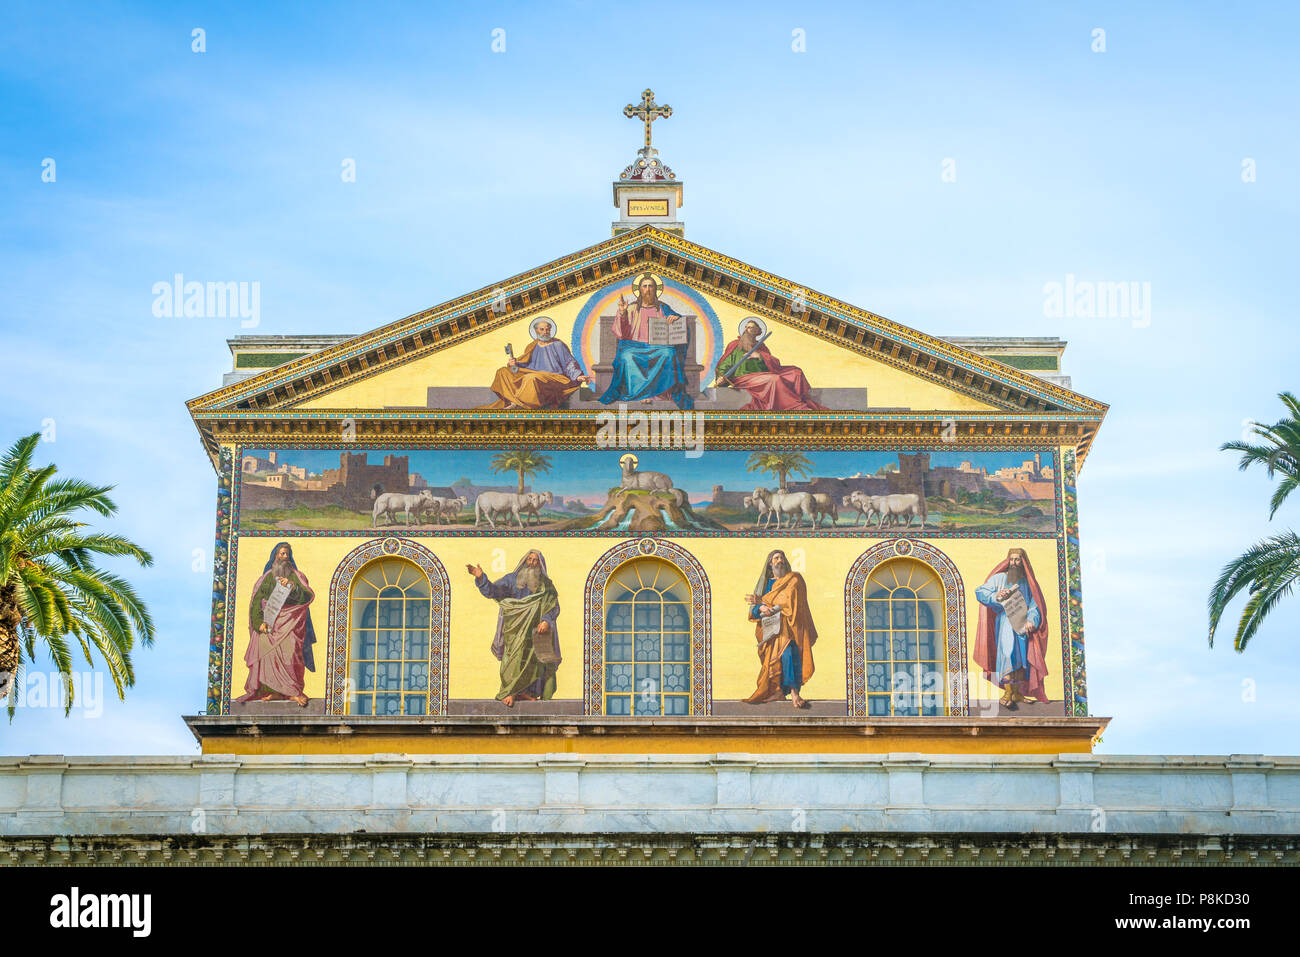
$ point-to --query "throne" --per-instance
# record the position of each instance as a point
(607, 345)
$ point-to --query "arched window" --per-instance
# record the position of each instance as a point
(906, 633)
(389, 618)
(646, 632)
(904, 655)
(388, 639)
(647, 640)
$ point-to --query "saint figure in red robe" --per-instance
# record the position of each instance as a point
(747, 364)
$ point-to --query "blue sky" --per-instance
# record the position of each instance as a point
(823, 166)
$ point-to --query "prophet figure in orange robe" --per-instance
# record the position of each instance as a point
(786, 658)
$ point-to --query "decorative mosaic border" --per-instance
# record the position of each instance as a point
(1067, 676)
(481, 532)
(855, 638)
(222, 585)
(550, 417)
(221, 646)
(846, 443)
(593, 621)
(336, 667)
(516, 532)
(1072, 585)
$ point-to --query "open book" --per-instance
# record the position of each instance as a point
(666, 332)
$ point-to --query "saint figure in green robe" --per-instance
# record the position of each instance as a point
(526, 642)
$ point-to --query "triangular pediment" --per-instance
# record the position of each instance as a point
(445, 357)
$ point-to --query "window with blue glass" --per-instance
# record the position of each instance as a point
(388, 640)
(905, 653)
(647, 640)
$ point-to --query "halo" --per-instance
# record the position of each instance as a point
(623, 459)
(659, 283)
(532, 326)
(762, 326)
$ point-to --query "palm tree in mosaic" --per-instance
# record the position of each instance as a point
(1268, 570)
(781, 464)
(525, 462)
(52, 594)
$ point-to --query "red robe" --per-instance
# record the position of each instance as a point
(986, 637)
(275, 657)
(779, 389)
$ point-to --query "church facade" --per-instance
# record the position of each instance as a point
(647, 556)
(646, 498)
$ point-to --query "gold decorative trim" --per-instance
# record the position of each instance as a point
(582, 433)
(865, 333)
(645, 239)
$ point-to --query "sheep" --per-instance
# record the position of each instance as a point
(498, 503)
(797, 504)
(532, 502)
(891, 506)
(762, 505)
(444, 510)
(823, 505)
(391, 502)
(429, 504)
(649, 481)
(863, 503)
(451, 507)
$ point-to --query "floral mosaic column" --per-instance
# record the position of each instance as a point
(220, 553)
(1077, 703)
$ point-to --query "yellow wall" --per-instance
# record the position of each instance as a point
(1021, 739)
(732, 566)
(475, 363)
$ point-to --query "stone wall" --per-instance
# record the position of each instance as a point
(253, 497)
(1236, 809)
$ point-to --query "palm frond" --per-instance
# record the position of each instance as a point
(1284, 488)
(1267, 571)
(1278, 453)
(52, 586)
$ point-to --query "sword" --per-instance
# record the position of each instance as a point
(757, 342)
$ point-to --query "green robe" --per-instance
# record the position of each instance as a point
(729, 368)
(521, 649)
(297, 596)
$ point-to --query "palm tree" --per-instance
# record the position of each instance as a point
(524, 461)
(780, 464)
(51, 592)
(1268, 570)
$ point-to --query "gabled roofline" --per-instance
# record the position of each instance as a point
(458, 320)
(473, 314)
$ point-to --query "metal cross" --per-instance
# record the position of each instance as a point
(647, 111)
